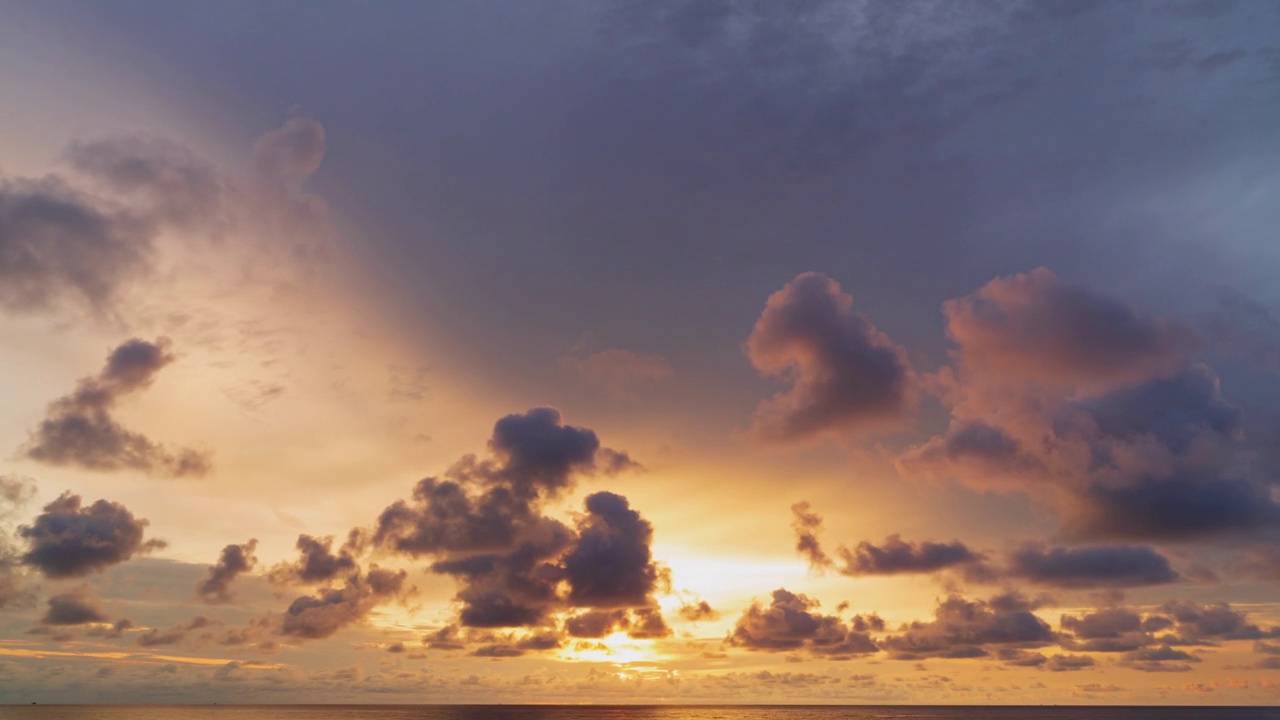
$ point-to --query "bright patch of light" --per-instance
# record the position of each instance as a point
(616, 648)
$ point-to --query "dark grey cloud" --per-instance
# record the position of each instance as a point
(1017, 657)
(62, 248)
(1069, 663)
(233, 561)
(1177, 508)
(79, 429)
(1091, 567)
(806, 525)
(516, 648)
(1178, 410)
(516, 588)
(312, 617)
(964, 628)
(1214, 621)
(484, 526)
(845, 374)
(1147, 640)
(1159, 659)
(789, 623)
(538, 454)
(640, 623)
(611, 565)
(77, 607)
(317, 562)
(68, 540)
(896, 556)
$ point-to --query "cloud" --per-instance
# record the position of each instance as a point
(80, 431)
(312, 617)
(1159, 659)
(167, 182)
(78, 607)
(893, 557)
(617, 372)
(639, 623)
(233, 561)
(1069, 663)
(1177, 508)
(1147, 641)
(845, 374)
(15, 492)
(698, 611)
(484, 526)
(807, 525)
(610, 565)
(68, 540)
(62, 248)
(317, 563)
(1125, 439)
(1034, 327)
(540, 454)
(896, 556)
(964, 628)
(789, 624)
(155, 637)
(291, 153)
(1091, 567)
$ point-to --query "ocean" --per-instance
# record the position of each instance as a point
(625, 712)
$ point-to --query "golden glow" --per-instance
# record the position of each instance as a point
(616, 648)
(10, 651)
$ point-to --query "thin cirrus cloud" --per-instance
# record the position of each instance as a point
(80, 430)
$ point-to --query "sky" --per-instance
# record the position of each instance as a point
(661, 351)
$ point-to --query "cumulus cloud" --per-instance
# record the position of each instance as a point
(894, 556)
(845, 374)
(1120, 435)
(312, 617)
(233, 561)
(639, 623)
(610, 565)
(77, 607)
(79, 429)
(317, 562)
(484, 526)
(1032, 326)
(68, 540)
(964, 628)
(1150, 641)
(789, 623)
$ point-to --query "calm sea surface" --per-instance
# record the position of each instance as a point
(565, 712)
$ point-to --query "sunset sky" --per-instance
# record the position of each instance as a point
(696, 351)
